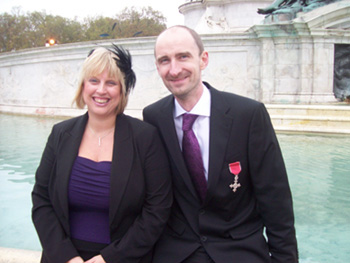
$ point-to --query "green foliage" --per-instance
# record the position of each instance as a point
(11, 27)
(145, 22)
(19, 31)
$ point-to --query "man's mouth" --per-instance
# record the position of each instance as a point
(177, 80)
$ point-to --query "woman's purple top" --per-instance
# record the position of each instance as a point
(88, 195)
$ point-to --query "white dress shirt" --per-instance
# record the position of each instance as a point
(200, 126)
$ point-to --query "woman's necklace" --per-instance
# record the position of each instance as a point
(100, 137)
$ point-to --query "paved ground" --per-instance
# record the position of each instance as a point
(11, 255)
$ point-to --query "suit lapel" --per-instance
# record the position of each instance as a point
(67, 152)
(220, 129)
(123, 154)
(168, 131)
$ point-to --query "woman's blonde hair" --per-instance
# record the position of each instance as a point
(117, 62)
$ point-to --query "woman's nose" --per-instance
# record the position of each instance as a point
(101, 87)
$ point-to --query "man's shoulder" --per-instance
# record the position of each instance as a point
(137, 125)
(231, 99)
(164, 102)
(234, 98)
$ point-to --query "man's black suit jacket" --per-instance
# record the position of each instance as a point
(229, 225)
(140, 190)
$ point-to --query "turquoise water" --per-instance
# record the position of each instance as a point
(318, 169)
(319, 174)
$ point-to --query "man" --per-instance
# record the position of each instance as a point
(220, 214)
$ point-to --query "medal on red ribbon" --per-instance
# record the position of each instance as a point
(235, 169)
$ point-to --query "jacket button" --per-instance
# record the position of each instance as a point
(204, 238)
(202, 212)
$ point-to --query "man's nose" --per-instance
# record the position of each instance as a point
(175, 68)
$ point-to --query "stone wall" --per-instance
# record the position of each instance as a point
(286, 62)
(44, 80)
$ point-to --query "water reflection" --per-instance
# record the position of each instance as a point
(319, 174)
(318, 169)
(22, 140)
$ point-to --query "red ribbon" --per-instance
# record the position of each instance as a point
(235, 168)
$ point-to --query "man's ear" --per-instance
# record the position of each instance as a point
(204, 57)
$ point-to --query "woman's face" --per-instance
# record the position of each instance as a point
(102, 94)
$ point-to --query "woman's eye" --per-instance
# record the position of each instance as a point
(112, 83)
(93, 80)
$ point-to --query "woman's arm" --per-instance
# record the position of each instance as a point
(149, 224)
(57, 246)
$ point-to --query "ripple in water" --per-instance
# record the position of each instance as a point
(318, 170)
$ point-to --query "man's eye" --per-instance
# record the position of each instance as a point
(163, 61)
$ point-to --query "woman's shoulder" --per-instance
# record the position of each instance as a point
(68, 124)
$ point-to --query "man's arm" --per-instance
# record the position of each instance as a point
(271, 187)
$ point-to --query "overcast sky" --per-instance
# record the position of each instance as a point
(81, 9)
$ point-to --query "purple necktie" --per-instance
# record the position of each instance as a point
(192, 155)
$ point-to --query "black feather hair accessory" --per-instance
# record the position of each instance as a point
(124, 63)
(91, 51)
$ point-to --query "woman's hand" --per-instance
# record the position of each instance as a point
(96, 259)
(76, 260)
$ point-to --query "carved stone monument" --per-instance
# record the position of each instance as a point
(301, 52)
(221, 16)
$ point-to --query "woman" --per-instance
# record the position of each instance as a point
(102, 191)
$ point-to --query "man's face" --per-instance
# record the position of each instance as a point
(179, 63)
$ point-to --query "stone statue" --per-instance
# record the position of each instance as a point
(341, 86)
(293, 6)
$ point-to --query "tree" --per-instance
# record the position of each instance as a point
(45, 26)
(18, 30)
(145, 22)
(98, 27)
(129, 23)
(11, 31)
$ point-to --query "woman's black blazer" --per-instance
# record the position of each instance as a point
(140, 190)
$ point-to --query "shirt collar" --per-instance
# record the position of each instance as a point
(202, 107)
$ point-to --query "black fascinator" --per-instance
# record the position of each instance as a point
(124, 63)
